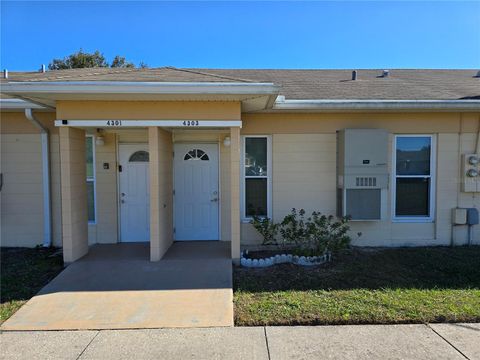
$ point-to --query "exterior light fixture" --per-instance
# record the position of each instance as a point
(99, 139)
(227, 141)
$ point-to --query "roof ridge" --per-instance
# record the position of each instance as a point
(93, 72)
(108, 72)
(209, 74)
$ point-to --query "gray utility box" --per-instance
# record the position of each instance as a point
(362, 172)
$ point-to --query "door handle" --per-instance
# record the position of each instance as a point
(214, 200)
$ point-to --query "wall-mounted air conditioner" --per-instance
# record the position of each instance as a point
(362, 172)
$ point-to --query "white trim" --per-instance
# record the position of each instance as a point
(432, 177)
(129, 87)
(373, 104)
(243, 216)
(93, 179)
(116, 123)
(18, 104)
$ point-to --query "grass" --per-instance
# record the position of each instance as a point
(387, 286)
(24, 272)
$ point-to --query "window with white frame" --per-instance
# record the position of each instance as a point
(90, 156)
(256, 176)
(414, 177)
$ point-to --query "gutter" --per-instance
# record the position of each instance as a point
(388, 105)
(123, 87)
(47, 209)
(19, 104)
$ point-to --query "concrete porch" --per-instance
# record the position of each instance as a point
(118, 287)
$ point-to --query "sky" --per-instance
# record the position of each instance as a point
(336, 35)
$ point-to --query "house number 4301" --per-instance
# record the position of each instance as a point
(114, 123)
(191, 123)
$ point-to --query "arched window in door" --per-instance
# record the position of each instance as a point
(139, 156)
(196, 154)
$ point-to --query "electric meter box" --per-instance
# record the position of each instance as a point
(470, 173)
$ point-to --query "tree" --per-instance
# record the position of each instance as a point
(120, 62)
(81, 59)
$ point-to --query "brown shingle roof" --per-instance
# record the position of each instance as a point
(297, 84)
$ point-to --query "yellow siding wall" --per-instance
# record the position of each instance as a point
(304, 170)
(161, 191)
(145, 110)
(21, 195)
(105, 230)
(303, 145)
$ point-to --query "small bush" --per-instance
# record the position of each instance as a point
(328, 234)
(267, 228)
(294, 229)
(312, 236)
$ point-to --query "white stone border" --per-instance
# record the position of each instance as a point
(284, 259)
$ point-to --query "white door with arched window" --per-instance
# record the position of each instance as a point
(134, 191)
(196, 192)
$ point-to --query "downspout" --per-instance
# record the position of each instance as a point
(47, 209)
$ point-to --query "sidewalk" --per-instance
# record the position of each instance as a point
(436, 341)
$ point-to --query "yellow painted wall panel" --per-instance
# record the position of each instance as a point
(149, 110)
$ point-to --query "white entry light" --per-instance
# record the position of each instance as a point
(99, 140)
(227, 141)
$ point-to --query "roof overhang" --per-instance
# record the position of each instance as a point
(285, 105)
(253, 96)
(19, 105)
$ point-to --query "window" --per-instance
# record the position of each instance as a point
(139, 156)
(256, 176)
(413, 177)
(90, 149)
(196, 154)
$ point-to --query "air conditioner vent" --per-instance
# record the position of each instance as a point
(362, 173)
(366, 181)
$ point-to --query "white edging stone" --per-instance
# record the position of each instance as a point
(284, 259)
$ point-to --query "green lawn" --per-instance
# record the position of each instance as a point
(408, 285)
(23, 273)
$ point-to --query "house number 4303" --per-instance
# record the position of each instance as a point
(191, 123)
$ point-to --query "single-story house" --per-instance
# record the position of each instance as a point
(97, 156)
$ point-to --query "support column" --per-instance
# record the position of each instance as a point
(235, 192)
(161, 191)
(73, 171)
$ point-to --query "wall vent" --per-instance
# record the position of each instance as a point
(366, 181)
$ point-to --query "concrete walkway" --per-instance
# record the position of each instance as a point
(117, 287)
(440, 341)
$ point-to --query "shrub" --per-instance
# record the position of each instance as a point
(312, 236)
(326, 233)
(294, 229)
(267, 228)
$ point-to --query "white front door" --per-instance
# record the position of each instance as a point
(134, 193)
(196, 191)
